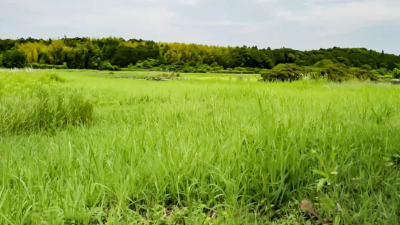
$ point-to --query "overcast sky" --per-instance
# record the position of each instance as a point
(304, 25)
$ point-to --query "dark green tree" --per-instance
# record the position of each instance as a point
(14, 59)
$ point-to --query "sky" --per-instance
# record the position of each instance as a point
(298, 24)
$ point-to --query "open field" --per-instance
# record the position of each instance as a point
(84, 147)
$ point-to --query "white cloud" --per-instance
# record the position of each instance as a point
(95, 15)
(269, 1)
(184, 2)
(126, 18)
(343, 17)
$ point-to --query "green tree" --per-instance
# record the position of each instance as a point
(14, 59)
(91, 53)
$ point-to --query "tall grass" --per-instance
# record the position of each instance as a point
(211, 152)
(35, 102)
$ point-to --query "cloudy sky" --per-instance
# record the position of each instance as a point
(299, 24)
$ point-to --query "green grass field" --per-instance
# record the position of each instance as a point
(86, 147)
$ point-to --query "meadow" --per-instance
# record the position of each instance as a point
(89, 147)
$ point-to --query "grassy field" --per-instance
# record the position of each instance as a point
(87, 147)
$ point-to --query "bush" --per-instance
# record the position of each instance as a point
(363, 74)
(340, 72)
(240, 69)
(382, 71)
(396, 73)
(336, 72)
(283, 72)
(188, 69)
(47, 66)
(14, 59)
(323, 63)
(107, 66)
(233, 72)
(366, 67)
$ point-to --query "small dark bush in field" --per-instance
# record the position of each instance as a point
(336, 72)
(47, 66)
(108, 66)
(340, 72)
(396, 73)
(56, 77)
(283, 72)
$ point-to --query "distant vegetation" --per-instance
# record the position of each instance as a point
(335, 72)
(132, 55)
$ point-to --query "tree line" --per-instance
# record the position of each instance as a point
(115, 53)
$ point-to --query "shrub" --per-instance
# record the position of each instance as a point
(14, 59)
(363, 74)
(382, 71)
(240, 69)
(233, 72)
(55, 77)
(366, 67)
(396, 73)
(336, 72)
(340, 72)
(107, 66)
(131, 67)
(47, 66)
(188, 69)
(323, 63)
(283, 72)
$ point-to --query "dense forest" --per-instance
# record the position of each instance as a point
(116, 53)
